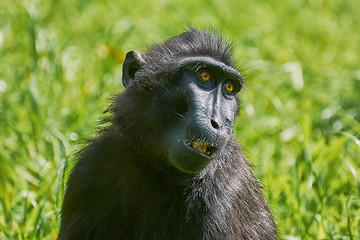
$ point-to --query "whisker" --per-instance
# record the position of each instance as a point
(180, 115)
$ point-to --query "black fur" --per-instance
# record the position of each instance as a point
(124, 188)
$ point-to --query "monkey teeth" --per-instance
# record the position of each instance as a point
(201, 147)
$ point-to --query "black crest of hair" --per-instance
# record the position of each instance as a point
(193, 43)
(169, 166)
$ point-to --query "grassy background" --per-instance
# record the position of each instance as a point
(60, 62)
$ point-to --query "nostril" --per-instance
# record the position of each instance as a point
(215, 124)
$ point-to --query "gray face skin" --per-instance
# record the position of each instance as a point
(210, 89)
(203, 125)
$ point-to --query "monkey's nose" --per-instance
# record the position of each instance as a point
(214, 124)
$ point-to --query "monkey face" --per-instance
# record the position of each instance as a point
(204, 112)
(198, 99)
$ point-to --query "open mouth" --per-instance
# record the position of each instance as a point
(202, 147)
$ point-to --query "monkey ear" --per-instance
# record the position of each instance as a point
(133, 62)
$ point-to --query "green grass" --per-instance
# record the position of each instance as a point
(60, 62)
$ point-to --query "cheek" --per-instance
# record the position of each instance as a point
(231, 111)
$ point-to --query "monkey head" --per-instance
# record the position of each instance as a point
(193, 85)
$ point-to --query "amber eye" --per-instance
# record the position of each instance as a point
(229, 86)
(205, 75)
